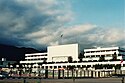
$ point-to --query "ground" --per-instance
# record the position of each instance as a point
(84, 80)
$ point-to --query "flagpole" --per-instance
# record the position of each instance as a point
(61, 39)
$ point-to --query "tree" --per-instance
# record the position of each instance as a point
(114, 57)
(70, 59)
(44, 61)
(80, 56)
(98, 66)
(8, 65)
(102, 58)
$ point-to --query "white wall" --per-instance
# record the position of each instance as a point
(62, 52)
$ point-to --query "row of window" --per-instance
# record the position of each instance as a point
(36, 55)
(89, 56)
(36, 59)
(100, 51)
(121, 50)
(84, 66)
(98, 56)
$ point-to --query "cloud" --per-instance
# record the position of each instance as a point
(106, 37)
(22, 20)
(39, 23)
(78, 29)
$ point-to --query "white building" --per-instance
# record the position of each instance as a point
(34, 58)
(108, 53)
(57, 56)
(61, 53)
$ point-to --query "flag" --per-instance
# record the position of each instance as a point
(61, 35)
(121, 61)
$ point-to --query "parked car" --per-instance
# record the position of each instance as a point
(3, 75)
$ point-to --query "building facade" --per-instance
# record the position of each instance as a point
(34, 58)
(61, 53)
(95, 59)
(107, 54)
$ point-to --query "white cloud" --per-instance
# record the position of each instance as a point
(28, 21)
(40, 23)
(78, 29)
(114, 35)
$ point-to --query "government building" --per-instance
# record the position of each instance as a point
(95, 62)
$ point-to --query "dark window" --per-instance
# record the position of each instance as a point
(93, 56)
(87, 56)
(55, 67)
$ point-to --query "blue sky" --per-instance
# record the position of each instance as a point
(40, 23)
(109, 13)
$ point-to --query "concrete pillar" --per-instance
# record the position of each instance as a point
(76, 73)
(94, 74)
(104, 74)
(80, 73)
(67, 73)
(84, 73)
(88, 72)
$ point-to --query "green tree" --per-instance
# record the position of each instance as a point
(44, 61)
(114, 57)
(102, 58)
(80, 56)
(70, 59)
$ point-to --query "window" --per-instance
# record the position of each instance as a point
(92, 51)
(55, 67)
(119, 54)
(93, 56)
(97, 55)
(108, 55)
(102, 50)
(51, 67)
(59, 66)
(87, 52)
(87, 56)
(113, 50)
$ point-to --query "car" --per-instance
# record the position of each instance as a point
(2, 76)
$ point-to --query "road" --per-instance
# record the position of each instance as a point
(84, 80)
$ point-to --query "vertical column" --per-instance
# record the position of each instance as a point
(104, 73)
(80, 73)
(76, 73)
(67, 72)
(84, 73)
(88, 73)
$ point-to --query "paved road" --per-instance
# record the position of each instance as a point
(84, 80)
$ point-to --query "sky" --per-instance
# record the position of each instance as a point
(40, 23)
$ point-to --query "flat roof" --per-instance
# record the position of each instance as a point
(36, 54)
(100, 48)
